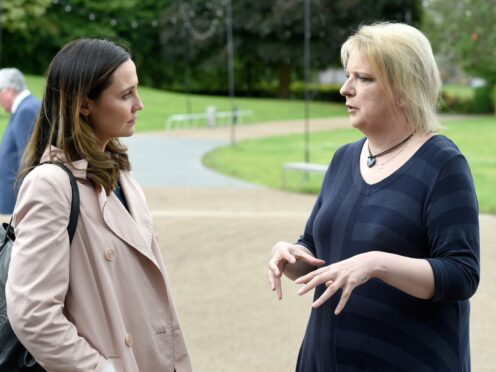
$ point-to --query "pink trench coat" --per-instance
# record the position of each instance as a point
(106, 296)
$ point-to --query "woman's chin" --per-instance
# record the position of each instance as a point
(129, 132)
(355, 123)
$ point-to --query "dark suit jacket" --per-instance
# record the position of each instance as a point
(14, 141)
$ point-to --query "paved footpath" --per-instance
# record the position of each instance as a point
(216, 241)
(179, 160)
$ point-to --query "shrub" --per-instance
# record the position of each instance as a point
(318, 92)
(481, 102)
(455, 104)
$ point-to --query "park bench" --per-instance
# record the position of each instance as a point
(211, 116)
(302, 167)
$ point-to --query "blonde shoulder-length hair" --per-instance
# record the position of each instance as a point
(402, 58)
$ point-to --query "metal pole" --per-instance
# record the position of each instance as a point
(307, 36)
(230, 69)
(187, 74)
(1, 29)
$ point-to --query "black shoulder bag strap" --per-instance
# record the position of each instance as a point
(74, 214)
(73, 217)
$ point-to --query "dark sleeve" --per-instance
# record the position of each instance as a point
(23, 127)
(453, 232)
(306, 239)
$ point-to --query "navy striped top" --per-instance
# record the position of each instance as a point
(426, 209)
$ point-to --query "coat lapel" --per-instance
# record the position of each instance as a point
(134, 227)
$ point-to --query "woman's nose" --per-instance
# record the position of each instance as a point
(139, 104)
(346, 89)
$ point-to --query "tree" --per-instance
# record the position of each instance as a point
(277, 29)
(268, 35)
(464, 32)
(133, 23)
(15, 14)
(183, 42)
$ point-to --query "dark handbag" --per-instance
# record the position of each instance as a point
(13, 355)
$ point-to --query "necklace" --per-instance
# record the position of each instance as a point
(371, 159)
(381, 165)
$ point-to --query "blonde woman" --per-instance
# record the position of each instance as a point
(391, 248)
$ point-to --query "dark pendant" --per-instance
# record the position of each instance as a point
(370, 162)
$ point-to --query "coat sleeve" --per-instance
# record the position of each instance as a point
(38, 277)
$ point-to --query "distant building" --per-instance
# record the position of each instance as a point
(333, 75)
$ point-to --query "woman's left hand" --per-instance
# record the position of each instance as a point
(347, 275)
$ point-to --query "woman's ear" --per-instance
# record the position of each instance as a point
(85, 107)
(400, 102)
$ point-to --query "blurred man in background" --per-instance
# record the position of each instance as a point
(23, 109)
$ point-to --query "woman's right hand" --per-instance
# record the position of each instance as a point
(299, 258)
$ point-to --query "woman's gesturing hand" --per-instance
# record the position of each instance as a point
(300, 261)
(347, 275)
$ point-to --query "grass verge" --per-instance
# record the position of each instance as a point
(260, 161)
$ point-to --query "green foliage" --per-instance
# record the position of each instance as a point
(16, 14)
(483, 100)
(268, 38)
(260, 161)
(465, 32)
(468, 101)
(454, 90)
(133, 23)
(183, 43)
(456, 104)
(318, 92)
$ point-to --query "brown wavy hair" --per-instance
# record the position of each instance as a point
(82, 69)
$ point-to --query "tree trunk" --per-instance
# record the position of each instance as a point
(284, 80)
(494, 97)
(249, 79)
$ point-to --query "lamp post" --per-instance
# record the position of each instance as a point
(1, 28)
(230, 70)
(187, 84)
(306, 57)
(190, 33)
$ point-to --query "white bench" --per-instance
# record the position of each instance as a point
(302, 167)
(211, 117)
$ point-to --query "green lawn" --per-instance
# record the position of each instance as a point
(260, 161)
(159, 105)
(461, 91)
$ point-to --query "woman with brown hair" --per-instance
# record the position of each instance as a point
(102, 303)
